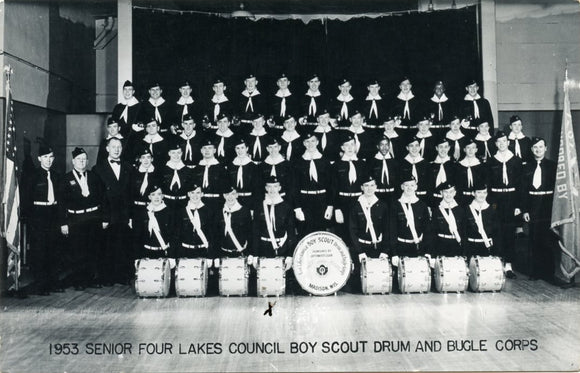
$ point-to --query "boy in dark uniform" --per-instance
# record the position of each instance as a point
(416, 166)
(482, 226)
(283, 103)
(485, 144)
(234, 229)
(312, 102)
(127, 111)
(196, 226)
(219, 105)
(519, 144)
(537, 193)
(374, 107)
(83, 214)
(476, 108)
(313, 195)
(405, 106)
(158, 227)
(251, 101)
(186, 105)
(245, 175)
(210, 174)
(448, 224)
(470, 171)
(426, 139)
(397, 143)
(156, 107)
(112, 131)
(363, 139)
(39, 208)
(156, 143)
(344, 104)
(115, 263)
(440, 105)
(385, 171)
(257, 138)
(276, 165)
(411, 222)
(290, 140)
(456, 138)
(504, 177)
(190, 141)
(440, 171)
(328, 137)
(223, 139)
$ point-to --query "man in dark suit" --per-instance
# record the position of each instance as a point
(115, 263)
(83, 214)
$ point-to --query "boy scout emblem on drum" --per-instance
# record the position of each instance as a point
(322, 263)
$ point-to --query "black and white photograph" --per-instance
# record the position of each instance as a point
(289, 185)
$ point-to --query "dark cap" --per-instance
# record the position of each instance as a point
(208, 141)
(270, 140)
(442, 140)
(514, 118)
(257, 116)
(44, 149)
(191, 186)
(186, 118)
(144, 151)
(445, 186)
(346, 138)
(536, 140)
(271, 180)
(110, 121)
(412, 139)
(312, 76)
(151, 188)
(499, 135)
(368, 178)
(78, 151)
(127, 84)
(218, 80)
(239, 140)
(250, 76)
(354, 113)
(185, 83)
(154, 85)
(480, 186)
(470, 82)
(407, 176)
(222, 116)
(343, 82)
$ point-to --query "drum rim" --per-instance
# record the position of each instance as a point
(348, 265)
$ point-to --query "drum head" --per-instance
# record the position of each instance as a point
(321, 263)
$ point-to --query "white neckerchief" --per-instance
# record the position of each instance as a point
(83, 183)
(185, 101)
(221, 152)
(258, 132)
(145, 181)
(384, 169)
(406, 98)
(440, 160)
(469, 162)
(352, 176)
(156, 103)
(227, 213)
(476, 209)
(117, 136)
(438, 100)
(537, 177)
(151, 139)
(474, 99)
(175, 166)
(274, 160)
(515, 137)
(227, 133)
(290, 136)
(366, 204)
(130, 102)
(270, 219)
(196, 221)
(441, 175)
(188, 150)
(312, 106)
(450, 218)
(312, 94)
(283, 93)
(504, 158)
(153, 225)
(219, 99)
(257, 148)
(356, 130)
(207, 164)
(312, 171)
(347, 98)
(453, 136)
(241, 162)
(322, 129)
(116, 167)
(422, 142)
(248, 94)
(406, 203)
(412, 161)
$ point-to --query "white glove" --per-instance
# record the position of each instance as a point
(328, 213)
(383, 256)
(250, 260)
(287, 263)
(362, 257)
(517, 212)
(299, 214)
(208, 262)
(302, 120)
(137, 128)
(428, 256)
(216, 262)
(395, 260)
(130, 223)
(465, 123)
(339, 216)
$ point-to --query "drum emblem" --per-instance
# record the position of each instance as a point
(322, 270)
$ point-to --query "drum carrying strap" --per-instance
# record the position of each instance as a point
(480, 228)
(230, 231)
(450, 219)
(408, 210)
(270, 227)
(194, 219)
(366, 209)
(154, 228)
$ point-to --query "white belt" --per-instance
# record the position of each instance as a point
(385, 190)
(475, 239)
(140, 203)
(449, 236)
(421, 193)
(409, 241)
(90, 209)
(187, 246)
(175, 197)
(503, 190)
(42, 203)
(320, 191)
(156, 248)
(369, 242)
(346, 194)
(211, 195)
(245, 194)
(541, 193)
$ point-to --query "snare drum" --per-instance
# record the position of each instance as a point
(451, 274)
(376, 276)
(153, 277)
(191, 277)
(233, 278)
(414, 275)
(271, 276)
(486, 273)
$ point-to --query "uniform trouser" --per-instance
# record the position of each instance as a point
(542, 245)
(313, 207)
(446, 247)
(84, 246)
(409, 249)
(186, 252)
(479, 248)
(45, 251)
(116, 262)
(345, 204)
(505, 204)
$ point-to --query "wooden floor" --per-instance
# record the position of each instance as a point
(537, 322)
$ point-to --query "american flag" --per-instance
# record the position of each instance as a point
(11, 196)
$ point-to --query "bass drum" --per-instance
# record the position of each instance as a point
(191, 277)
(414, 275)
(153, 277)
(376, 276)
(321, 263)
(451, 274)
(271, 277)
(233, 278)
(486, 274)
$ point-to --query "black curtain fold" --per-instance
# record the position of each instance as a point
(426, 47)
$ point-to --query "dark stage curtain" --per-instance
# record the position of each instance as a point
(426, 47)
